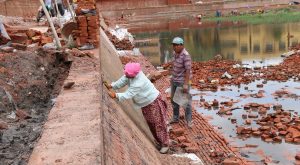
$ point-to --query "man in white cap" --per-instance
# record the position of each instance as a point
(181, 74)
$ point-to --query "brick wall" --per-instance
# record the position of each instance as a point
(24, 8)
(129, 4)
(175, 2)
(88, 24)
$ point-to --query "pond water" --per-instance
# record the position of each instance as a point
(254, 44)
(283, 153)
(250, 44)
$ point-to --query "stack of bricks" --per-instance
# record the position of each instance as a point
(88, 23)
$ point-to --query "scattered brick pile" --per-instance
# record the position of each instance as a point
(88, 23)
(208, 75)
(274, 127)
(124, 44)
(21, 38)
(182, 142)
(27, 37)
(289, 68)
(210, 72)
(37, 37)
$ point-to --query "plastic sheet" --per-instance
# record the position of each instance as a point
(181, 98)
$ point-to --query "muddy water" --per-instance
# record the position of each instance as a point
(283, 153)
(256, 45)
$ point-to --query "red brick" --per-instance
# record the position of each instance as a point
(93, 24)
(45, 40)
(192, 149)
(31, 33)
(231, 161)
(93, 30)
(20, 38)
(248, 121)
(181, 139)
(256, 133)
(3, 125)
(296, 140)
(178, 132)
(22, 114)
(19, 46)
(84, 34)
(36, 39)
(3, 70)
(265, 136)
(184, 145)
(262, 111)
(295, 132)
(164, 72)
(28, 42)
(94, 37)
(251, 145)
(289, 139)
(82, 20)
(297, 157)
(215, 103)
(277, 139)
(93, 18)
(252, 115)
(239, 130)
(83, 29)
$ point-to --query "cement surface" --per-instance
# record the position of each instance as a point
(72, 133)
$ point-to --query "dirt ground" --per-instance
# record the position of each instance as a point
(29, 83)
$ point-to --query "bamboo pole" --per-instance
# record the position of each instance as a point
(71, 10)
(51, 24)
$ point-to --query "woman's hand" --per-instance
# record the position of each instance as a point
(112, 94)
(185, 88)
(108, 86)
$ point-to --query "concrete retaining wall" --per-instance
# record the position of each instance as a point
(112, 70)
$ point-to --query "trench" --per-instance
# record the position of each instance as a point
(29, 84)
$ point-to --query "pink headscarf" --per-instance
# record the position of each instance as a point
(132, 69)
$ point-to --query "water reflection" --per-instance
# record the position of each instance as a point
(245, 43)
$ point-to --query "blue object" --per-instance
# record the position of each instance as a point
(177, 40)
